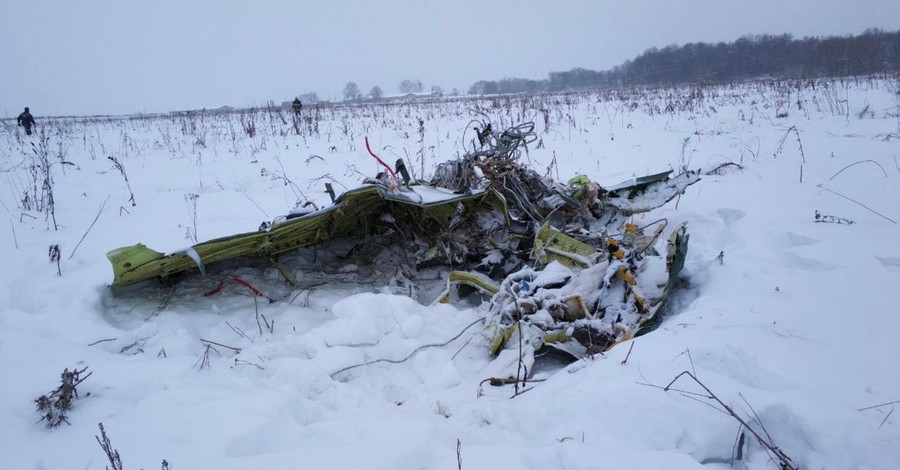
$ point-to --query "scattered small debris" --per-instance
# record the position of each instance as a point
(830, 219)
(55, 256)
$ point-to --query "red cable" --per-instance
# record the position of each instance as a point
(379, 160)
(247, 285)
(240, 281)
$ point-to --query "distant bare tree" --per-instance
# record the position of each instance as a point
(376, 92)
(410, 86)
(437, 90)
(309, 98)
(351, 92)
(484, 88)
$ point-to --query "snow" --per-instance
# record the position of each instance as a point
(798, 318)
(429, 195)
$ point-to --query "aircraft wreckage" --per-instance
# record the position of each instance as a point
(559, 265)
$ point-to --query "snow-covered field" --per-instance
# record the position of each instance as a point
(796, 318)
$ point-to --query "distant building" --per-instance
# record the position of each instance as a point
(413, 96)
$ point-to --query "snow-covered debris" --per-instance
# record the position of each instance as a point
(546, 241)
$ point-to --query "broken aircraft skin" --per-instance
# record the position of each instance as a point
(541, 250)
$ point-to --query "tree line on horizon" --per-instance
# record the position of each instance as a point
(749, 57)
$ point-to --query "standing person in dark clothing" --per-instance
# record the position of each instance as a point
(26, 120)
(297, 106)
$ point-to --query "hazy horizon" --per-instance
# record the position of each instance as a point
(107, 57)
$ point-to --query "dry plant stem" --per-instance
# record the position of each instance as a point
(629, 353)
(737, 451)
(458, 455)
(239, 332)
(857, 163)
(289, 181)
(462, 347)
(220, 344)
(756, 418)
(190, 200)
(15, 239)
(111, 454)
(99, 211)
(799, 143)
(690, 358)
(256, 293)
(82, 379)
(55, 405)
(415, 351)
(164, 303)
(118, 165)
(521, 392)
(878, 406)
(102, 341)
(521, 364)
(256, 307)
(241, 362)
(715, 170)
(785, 461)
(203, 361)
(46, 202)
(858, 203)
(243, 192)
(497, 381)
(269, 326)
(886, 418)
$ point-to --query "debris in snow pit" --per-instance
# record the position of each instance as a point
(582, 308)
(540, 248)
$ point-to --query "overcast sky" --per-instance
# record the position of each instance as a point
(123, 56)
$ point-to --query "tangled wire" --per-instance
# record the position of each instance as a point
(494, 153)
(504, 144)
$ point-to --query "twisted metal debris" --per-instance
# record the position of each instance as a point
(539, 249)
